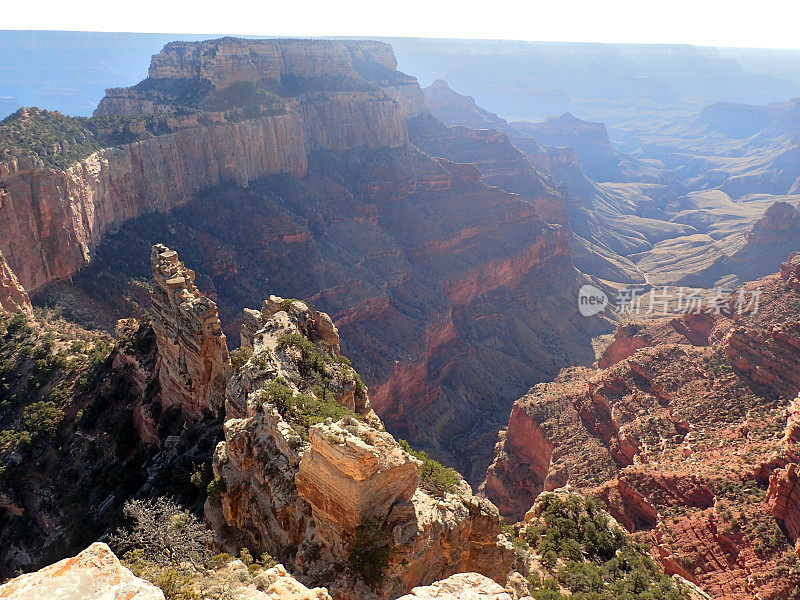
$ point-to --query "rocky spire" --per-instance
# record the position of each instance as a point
(193, 360)
(13, 297)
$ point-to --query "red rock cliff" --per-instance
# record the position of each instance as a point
(692, 445)
(51, 221)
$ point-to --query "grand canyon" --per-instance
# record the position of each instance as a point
(279, 321)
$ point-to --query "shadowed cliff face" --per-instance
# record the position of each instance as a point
(255, 109)
(450, 297)
(288, 169)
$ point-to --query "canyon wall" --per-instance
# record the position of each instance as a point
(452, 296)
(52, 220)
(686, 432)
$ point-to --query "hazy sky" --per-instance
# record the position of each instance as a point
(755, 23)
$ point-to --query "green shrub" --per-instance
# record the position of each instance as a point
(58, 140)
(435, 478)
(371, 551)
(302, 410)
(19, 325)
(214, 491)
(277, 392)
(600, 561)
(42, 417)
(265, 562)
(239, 357)
(547, 589)
(312, 360)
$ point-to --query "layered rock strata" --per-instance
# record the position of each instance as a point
(13, 297)
(193, 360)
(53, 220)
(452, 296)
(303, 490)
(783, 498)
(689, 439)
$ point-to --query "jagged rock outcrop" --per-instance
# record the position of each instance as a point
(193, 360)
(462, 586)
(13, 297)
(779, 225)
(361, 475)
(680, 440)
(300, 485)
(783, 499)
(456, 109)
(94, 574)
(523, 446)
(627, 340)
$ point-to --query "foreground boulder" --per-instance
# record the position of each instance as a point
(94, 574)
(462, 586)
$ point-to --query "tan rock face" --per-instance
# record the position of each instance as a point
(94, 574)
(301, 493)
(462, 586)
(194, 364)
(352, 472)
(13, 297)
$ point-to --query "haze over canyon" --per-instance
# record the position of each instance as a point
(278, 321)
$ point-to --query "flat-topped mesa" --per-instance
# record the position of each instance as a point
(13, 297)
(348, 94)
(232, 60)
(193, 360)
